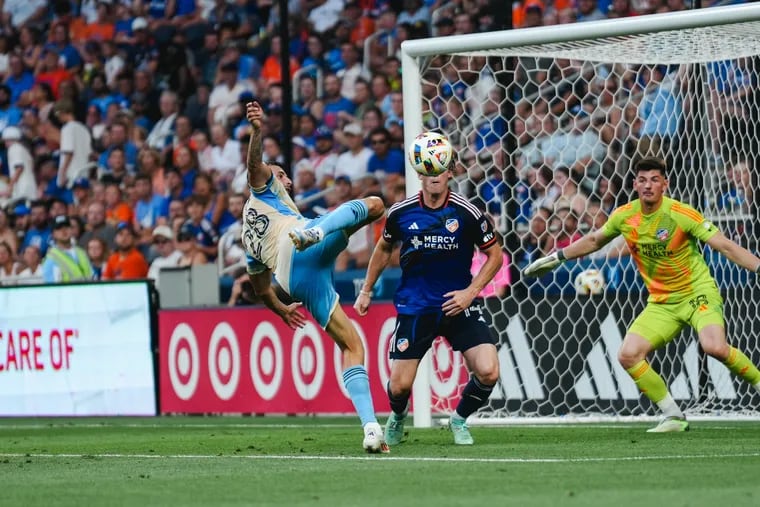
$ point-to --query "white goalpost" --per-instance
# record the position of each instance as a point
(522, 108)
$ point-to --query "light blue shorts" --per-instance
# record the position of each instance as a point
(311, 274)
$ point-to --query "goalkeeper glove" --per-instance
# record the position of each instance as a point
(543, 265)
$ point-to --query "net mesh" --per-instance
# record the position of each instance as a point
(546, 136)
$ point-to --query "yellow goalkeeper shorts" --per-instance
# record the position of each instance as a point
(659, 323)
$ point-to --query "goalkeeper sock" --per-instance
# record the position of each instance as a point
(650, 383)
(474, 396)
(400, 403)
(357, 384)
(742, 367)
(344, 216)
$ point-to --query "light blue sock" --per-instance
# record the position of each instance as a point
(346, 215)
(357, 384)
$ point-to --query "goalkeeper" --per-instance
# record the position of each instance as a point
(662, 235)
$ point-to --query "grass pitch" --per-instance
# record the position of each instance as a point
(318, 461)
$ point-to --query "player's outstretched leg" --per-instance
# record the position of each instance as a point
(347, 216)
(355, 379)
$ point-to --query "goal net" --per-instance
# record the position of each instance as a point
(547, 123)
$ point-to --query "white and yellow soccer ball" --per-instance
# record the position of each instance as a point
(589, 282)
(430, 154)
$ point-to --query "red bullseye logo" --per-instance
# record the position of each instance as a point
(446, 369)
(224, 361)
(307, 361)
(184, 361)
(266, 360)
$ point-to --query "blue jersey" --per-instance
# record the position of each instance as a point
(437, 246)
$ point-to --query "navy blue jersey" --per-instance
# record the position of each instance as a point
(437, 246)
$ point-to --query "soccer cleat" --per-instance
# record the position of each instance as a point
(394, 429)
(373, 439)
(304, 238)
(461, 432)
(670, 425)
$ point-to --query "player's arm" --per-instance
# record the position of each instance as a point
(733, 252)
(589, 243)
(381, 256)
(460, 300)
(258, 172)
(262, 287)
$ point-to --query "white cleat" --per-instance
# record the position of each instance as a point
(304, 238)
(374, 442)
(671, 425)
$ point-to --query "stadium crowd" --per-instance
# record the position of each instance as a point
(123, 125)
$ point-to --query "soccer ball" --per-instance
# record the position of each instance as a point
(430, 154)
(589, 282)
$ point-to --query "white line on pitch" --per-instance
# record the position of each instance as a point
(391, 458)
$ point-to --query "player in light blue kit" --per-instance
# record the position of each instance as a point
(301, 254)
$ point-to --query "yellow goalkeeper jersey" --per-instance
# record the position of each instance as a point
(664, 246)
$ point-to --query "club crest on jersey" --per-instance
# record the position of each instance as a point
(662, 234)
(402, 344)
(452, 224)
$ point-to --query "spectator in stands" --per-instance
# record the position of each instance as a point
(161, 137)
(117, 210)
(149, 164)
(38, 233)
(334, 103)
(226, 92)
(65, 262)
(386, 163)
(8, 235)
(81, 198)
(22, 184)
(150, 209)
(200, 227)
(98, 253)
(568, 192)
(118, 136)
(168, 255)
(538, 242)
(305, 189)
(589, 11)
(225, 154)
(96, 225)
(188, 247)
(324, 159)
(21, 219)
(9, 267)
(10, 115)
(32, 272)
(354, 162)
(564, 227)
(126, 263)
(76, 146)
(214, 203)
(18, 80)
(660, 110)
(186, 169)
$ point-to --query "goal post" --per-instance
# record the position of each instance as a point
(524, 106)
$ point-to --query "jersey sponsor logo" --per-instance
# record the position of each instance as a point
(662, 234)
(416, 243)
(438, 242)
(655, 250)
(452, 224)
(413, 227)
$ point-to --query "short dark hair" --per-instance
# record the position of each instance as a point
(651, 164)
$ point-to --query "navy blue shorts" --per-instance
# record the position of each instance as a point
(414, 334)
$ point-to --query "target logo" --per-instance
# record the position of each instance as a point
(206, 352)
(445, 375)
(224, 361)
(307, 361)
(184, 361)
(266, 360)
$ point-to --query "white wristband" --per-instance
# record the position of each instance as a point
(365, 293)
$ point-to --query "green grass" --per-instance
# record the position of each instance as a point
(318, 461)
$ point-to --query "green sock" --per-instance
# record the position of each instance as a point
(742, 367)
(648, 381)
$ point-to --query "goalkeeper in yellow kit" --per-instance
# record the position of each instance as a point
(662, 235)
